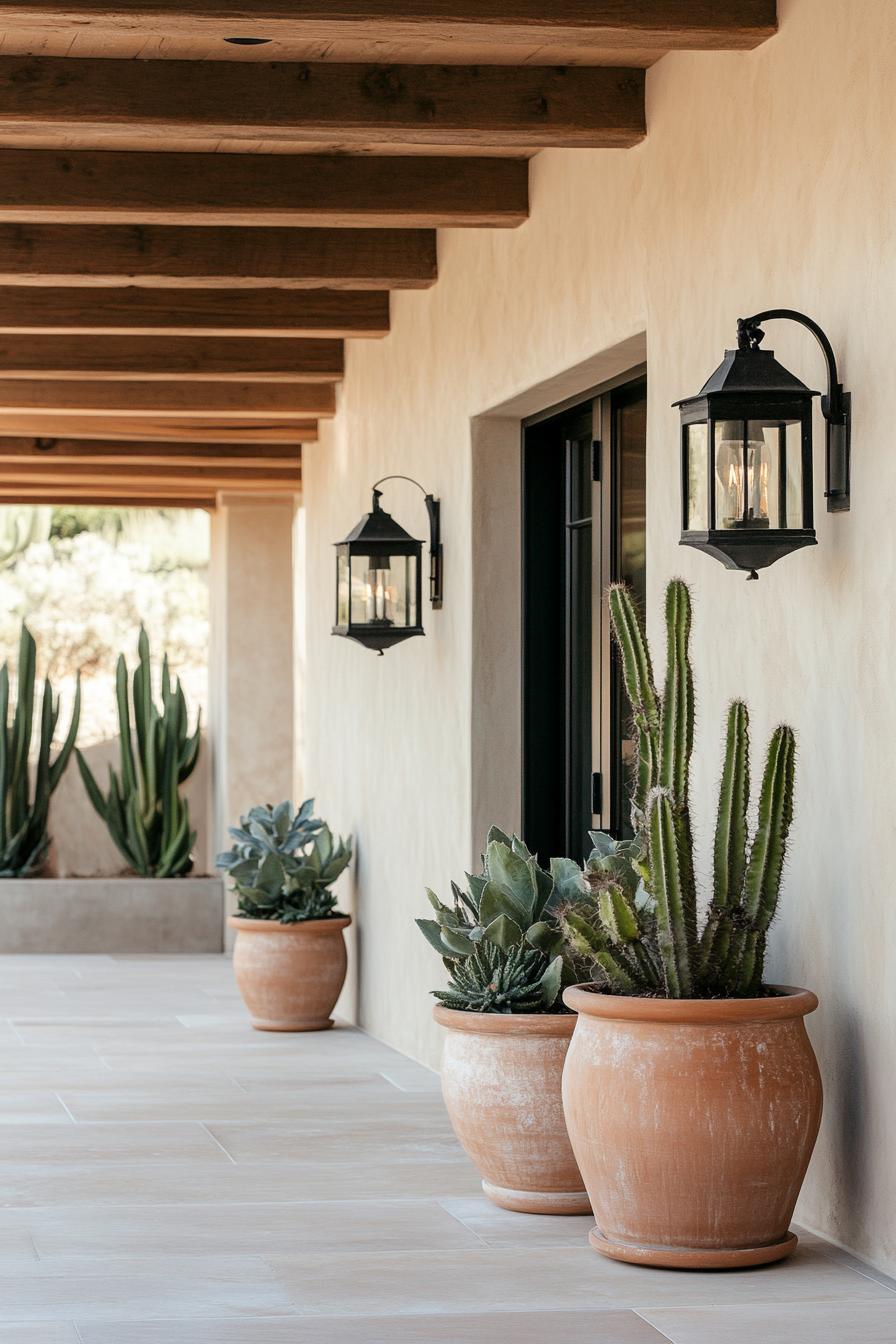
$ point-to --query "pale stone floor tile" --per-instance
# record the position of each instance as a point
(499, 1227)
(231, 1229)
(190, 1182)
(81, 1287)
(498, 1279)
(41, 1332)
(44, 1108)
(106, 1143)
(566, 1327)
(307, 1105)
(805, 1323)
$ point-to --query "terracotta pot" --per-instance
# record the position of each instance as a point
(693, 1122)
(290, 975)
(501, 1076)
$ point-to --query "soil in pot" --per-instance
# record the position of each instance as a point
(693, 1122)
(501, 1077)
(290, 975)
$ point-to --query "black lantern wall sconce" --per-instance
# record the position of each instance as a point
(379, 575)
(746, 452)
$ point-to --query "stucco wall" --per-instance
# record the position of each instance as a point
(768, 178)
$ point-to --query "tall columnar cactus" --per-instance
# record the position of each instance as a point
(641, 936)
(24, 840)
(145, 814)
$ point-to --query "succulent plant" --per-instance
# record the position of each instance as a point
(499, 939)
(637, 926)
(282, 864)
(144, 812)
(24, 840)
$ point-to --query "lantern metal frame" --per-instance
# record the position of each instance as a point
(378, 534)
(750, 385)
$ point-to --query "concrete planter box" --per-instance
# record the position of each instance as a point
(112, 914)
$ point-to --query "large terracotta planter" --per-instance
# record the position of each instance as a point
(501, 1076)
(290, 975)
(693, 1122)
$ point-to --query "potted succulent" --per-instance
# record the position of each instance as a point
(691, 1091)
(289, 958)
(507, 1031)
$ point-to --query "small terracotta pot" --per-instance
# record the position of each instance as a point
(693, 1122)
(289, 975)
(501, 1077)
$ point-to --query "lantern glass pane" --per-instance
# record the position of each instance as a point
(384, 590)
(793, 474)
(342, 586)
(743, 461)
(698, 494)
(782, 484)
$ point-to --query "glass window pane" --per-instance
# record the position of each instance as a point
(698, 498)
(342, 586)
(580, 483)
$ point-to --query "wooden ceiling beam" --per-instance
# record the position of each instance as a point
(84, 104)
(442, 30)
(140, 476)
(68, 495)
(63, 452)
(46, 187)
(151, 429)
(203, 401)
(163, 256)
(245, 430)
(321, 313)
(164, 358)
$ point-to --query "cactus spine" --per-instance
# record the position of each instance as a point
(147, 818)
(24, 840)
(640, 938)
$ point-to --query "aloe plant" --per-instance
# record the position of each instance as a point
(499, 939)
(283, 863)
(636, 928)
(25, 797)
(146, 816)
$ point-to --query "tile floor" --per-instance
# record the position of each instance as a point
(168, 1176)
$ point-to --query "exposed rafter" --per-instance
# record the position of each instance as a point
(155, 429)
(182, 104)
(181, 358)
(233, 258)
(222, 401)
(63, 452)
(487, 31)
(193, 312)
(43, 186)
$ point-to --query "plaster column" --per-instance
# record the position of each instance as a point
(252, 688)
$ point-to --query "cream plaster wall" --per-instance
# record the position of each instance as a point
(768, 178)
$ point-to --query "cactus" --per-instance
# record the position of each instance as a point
(635, 926)
(282, 864)
(24, 840)
(499, 940)
(146, 816)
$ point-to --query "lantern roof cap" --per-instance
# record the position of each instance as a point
(751, 371)
(378, 526)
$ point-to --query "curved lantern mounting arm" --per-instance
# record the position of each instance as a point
(434, 510)
(835, 407)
